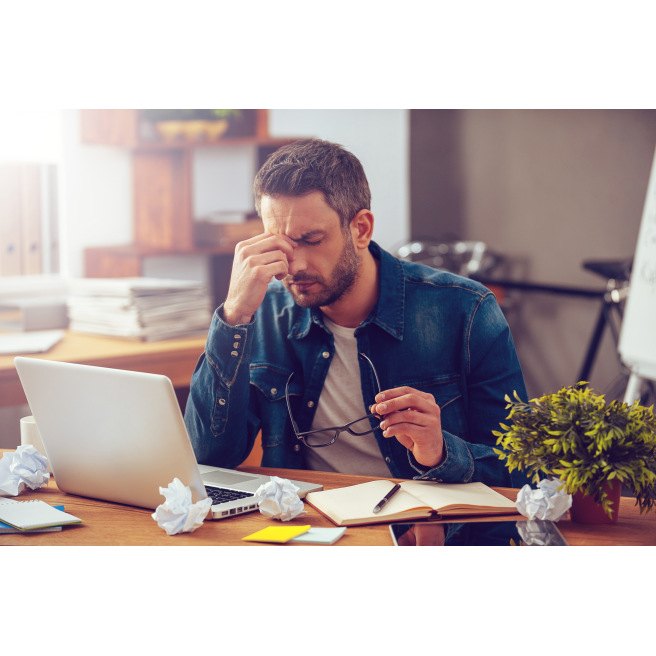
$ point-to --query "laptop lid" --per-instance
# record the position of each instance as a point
(119, 436)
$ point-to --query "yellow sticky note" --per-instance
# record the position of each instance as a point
(278, 534)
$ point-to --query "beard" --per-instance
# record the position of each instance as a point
(342, 278)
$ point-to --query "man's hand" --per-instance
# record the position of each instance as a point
(256, 261)
(413, 418)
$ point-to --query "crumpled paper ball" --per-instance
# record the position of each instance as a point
(178, 514)
(279, 499)
(26, 467)
(547, 502)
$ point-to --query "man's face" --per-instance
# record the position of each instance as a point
(325, 263)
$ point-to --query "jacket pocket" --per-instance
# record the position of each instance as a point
(270, 383)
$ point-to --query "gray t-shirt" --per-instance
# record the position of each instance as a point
(341, 402)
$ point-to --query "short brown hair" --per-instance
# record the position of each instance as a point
(311, 165)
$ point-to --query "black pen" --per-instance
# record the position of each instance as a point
(387, 497)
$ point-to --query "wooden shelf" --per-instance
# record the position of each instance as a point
(163, 221)
(126, 128)
(226, 142)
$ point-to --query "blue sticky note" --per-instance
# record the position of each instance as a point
(320, 535)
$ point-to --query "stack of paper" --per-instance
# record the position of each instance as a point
(37, 341)
(139, 308)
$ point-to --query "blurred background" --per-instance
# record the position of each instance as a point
(110, 193)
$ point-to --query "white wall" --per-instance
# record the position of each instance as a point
(96, 196)
(379, 138)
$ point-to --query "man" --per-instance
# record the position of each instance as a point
(321, 327)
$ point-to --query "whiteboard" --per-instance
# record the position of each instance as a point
(637, 345)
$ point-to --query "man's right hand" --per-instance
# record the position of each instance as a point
(256, 261)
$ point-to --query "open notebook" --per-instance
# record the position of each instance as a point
(351, 506)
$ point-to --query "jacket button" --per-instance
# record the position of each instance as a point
(234, 354)
(310, 404)
(237, 336)
(297, 447)
(326, 355)
(222, 401)
(274, 391)
(235, 345)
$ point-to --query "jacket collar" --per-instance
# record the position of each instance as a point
(388, 312)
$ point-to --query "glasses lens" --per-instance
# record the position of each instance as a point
(322, 438)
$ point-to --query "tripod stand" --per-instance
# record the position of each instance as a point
(617, 274)
(627, 386)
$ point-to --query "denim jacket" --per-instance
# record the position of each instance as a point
(430, 330)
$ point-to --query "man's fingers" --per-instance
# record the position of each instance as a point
(409, 417)
(267, 258)
(414, 419)
(419, 401)
(256, 261)
(264, 243)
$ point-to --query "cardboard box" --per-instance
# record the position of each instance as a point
(209, 233)
(38, 313)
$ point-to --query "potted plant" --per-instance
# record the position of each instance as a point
(211, 124)
(190, 124)
(594, 447)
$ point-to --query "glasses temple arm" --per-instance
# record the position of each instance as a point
(371, 364)
(289, 407)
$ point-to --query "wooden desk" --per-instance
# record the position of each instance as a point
(111, 524)
(175, 358)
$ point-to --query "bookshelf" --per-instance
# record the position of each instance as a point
(162, 180)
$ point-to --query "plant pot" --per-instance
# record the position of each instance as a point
(585, 510)
(216, 129)
(170, 130)
(191, 131)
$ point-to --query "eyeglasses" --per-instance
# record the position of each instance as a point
(327, 436)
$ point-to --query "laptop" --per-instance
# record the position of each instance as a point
(119, 436)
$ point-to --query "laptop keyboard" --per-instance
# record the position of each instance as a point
(223, 494)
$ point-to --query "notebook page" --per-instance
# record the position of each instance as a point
(442, 495)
